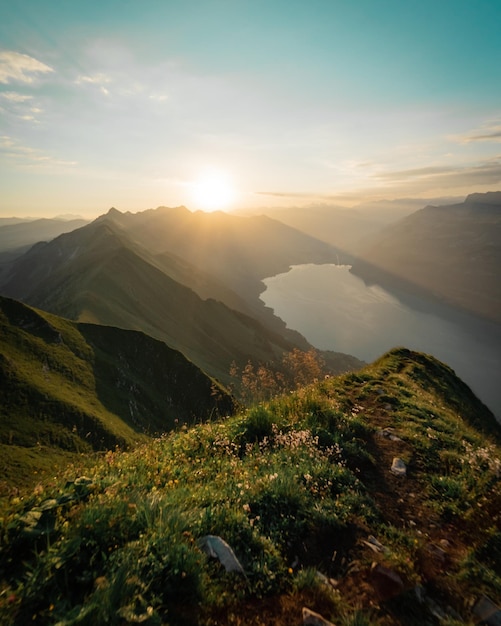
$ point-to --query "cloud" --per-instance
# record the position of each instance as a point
(94, 79)
(21, 106)
(13, 96)
(417, 182)
(99, 80)
(488, 132)
(483, 173)
(287, 194)
(17, 67)
(418, 172)
(25, 156)
(158, 97)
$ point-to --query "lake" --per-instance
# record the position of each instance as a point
(336, 310)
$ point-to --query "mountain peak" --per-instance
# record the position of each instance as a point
(491, 197)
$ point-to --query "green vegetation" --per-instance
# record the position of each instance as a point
(299, 488)
(69, 387)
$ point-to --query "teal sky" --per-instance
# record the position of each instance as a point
(133, 103)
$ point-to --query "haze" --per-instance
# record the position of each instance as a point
(131, 104)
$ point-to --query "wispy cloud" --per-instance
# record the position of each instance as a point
(95, 79)
(488, 132)
(25, 156)
(160, 97)
(483, 173)
(418, 182)
(17, 67)
(14, 96)
(99, 80)
(418, 172)
(21, 106)
(288, 194)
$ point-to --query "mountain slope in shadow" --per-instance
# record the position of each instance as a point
(80, 387)
(451, 253)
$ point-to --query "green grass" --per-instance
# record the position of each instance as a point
(295, 487)
(69, 387)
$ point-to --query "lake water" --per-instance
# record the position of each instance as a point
(336, 310)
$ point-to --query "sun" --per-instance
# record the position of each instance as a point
(213, 191)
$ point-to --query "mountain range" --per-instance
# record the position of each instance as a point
(349, 229)
(17, 236)
(450, 253)
(189, 279)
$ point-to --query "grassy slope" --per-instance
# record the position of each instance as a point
(295, 486)
(78, 387)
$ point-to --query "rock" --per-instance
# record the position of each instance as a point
(49, 504)
(486, 612)
(387, 433)
(398, 467)
(374, 544)
(310, 618)
(436, 610)
(330, 582)
(217, 547)
(386, 582)
(82, 486)
(83, 480)
(36, 523)
(438, 554)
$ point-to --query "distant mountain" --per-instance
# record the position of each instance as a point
(348, 229)
(4, 221)
(17, 236)
(102, 274)
(76, 387)
(451, 253)
(26, 233)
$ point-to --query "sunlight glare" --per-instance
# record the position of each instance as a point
(213, 191)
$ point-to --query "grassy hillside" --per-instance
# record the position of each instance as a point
(69, 387)
(301, 491)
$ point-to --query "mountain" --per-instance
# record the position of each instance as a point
(451, 253)
(17, 237)
(371, 498)
(75, 387)
(237, 251)
(348, 229)
(103, 274)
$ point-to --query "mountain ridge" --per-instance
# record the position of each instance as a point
(102, 273)
(81, 387)
(450, 253)
(289, 504)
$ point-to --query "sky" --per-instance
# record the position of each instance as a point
(245, 103)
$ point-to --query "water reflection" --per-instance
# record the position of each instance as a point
(336, 310)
